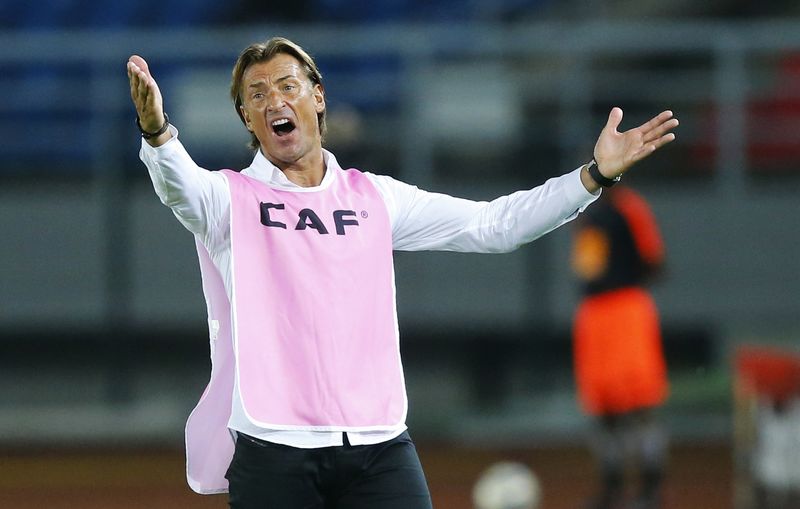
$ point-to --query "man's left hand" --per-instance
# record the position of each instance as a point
(615, 152)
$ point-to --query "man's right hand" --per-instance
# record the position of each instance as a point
(147, 99)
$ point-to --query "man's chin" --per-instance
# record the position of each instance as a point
(283, 156)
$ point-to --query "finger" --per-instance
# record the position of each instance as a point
(660, 130)
(140, 63)
(649, 148)
(614, 119)
(131, 80)
(663, 140)
(655, 121)
(137, 78)
(141, 86)
(146, 81)
(134, 71)
(133, 76)
(144, 98)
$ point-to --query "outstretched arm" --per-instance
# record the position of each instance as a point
(198, 197)
(147, 98)
(615, 152)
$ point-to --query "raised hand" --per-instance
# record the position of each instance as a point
(615, 152)
(146, 96)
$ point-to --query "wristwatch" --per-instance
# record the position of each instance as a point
(156, 134)
(598, 177)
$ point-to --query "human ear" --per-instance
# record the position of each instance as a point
(319, 98)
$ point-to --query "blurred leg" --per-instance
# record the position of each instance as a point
(650, 454)
(608, 445)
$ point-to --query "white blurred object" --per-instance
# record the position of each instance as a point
(776, 461)
(470, 106)
(200, 111)
(507, 485)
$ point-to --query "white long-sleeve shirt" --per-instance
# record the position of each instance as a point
(420, 220)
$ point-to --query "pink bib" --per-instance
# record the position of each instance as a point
(315, 330)
(209, 444)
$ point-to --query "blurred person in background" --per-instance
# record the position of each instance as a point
(306, 406)
(620, 369)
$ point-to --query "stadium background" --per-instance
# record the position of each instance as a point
(102, 326)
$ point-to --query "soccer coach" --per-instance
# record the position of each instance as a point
(306, 405)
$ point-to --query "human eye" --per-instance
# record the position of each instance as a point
(290, 87)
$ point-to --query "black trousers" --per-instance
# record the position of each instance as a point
(388, 475)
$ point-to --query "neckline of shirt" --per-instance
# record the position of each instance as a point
(263, 170)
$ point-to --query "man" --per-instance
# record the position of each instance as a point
(620, 368)
(296, 258)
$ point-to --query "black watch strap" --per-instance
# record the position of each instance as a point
(156, 134)
(598, 177)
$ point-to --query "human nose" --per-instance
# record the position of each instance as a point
(275, 100)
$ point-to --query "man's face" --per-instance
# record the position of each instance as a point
(280, 106)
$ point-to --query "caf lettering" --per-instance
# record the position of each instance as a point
(265, 220)
(307, 218)
(340, 221)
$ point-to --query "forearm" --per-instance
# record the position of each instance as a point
(511, 221)
(439, 222)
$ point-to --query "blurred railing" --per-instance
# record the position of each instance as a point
(470, 109)
(57, 87)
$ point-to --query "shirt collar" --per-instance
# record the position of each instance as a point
(262, 169)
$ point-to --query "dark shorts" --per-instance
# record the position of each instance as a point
(388, 475)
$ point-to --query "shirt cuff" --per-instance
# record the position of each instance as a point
(576, 191)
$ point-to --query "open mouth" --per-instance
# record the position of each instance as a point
(283, 126)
